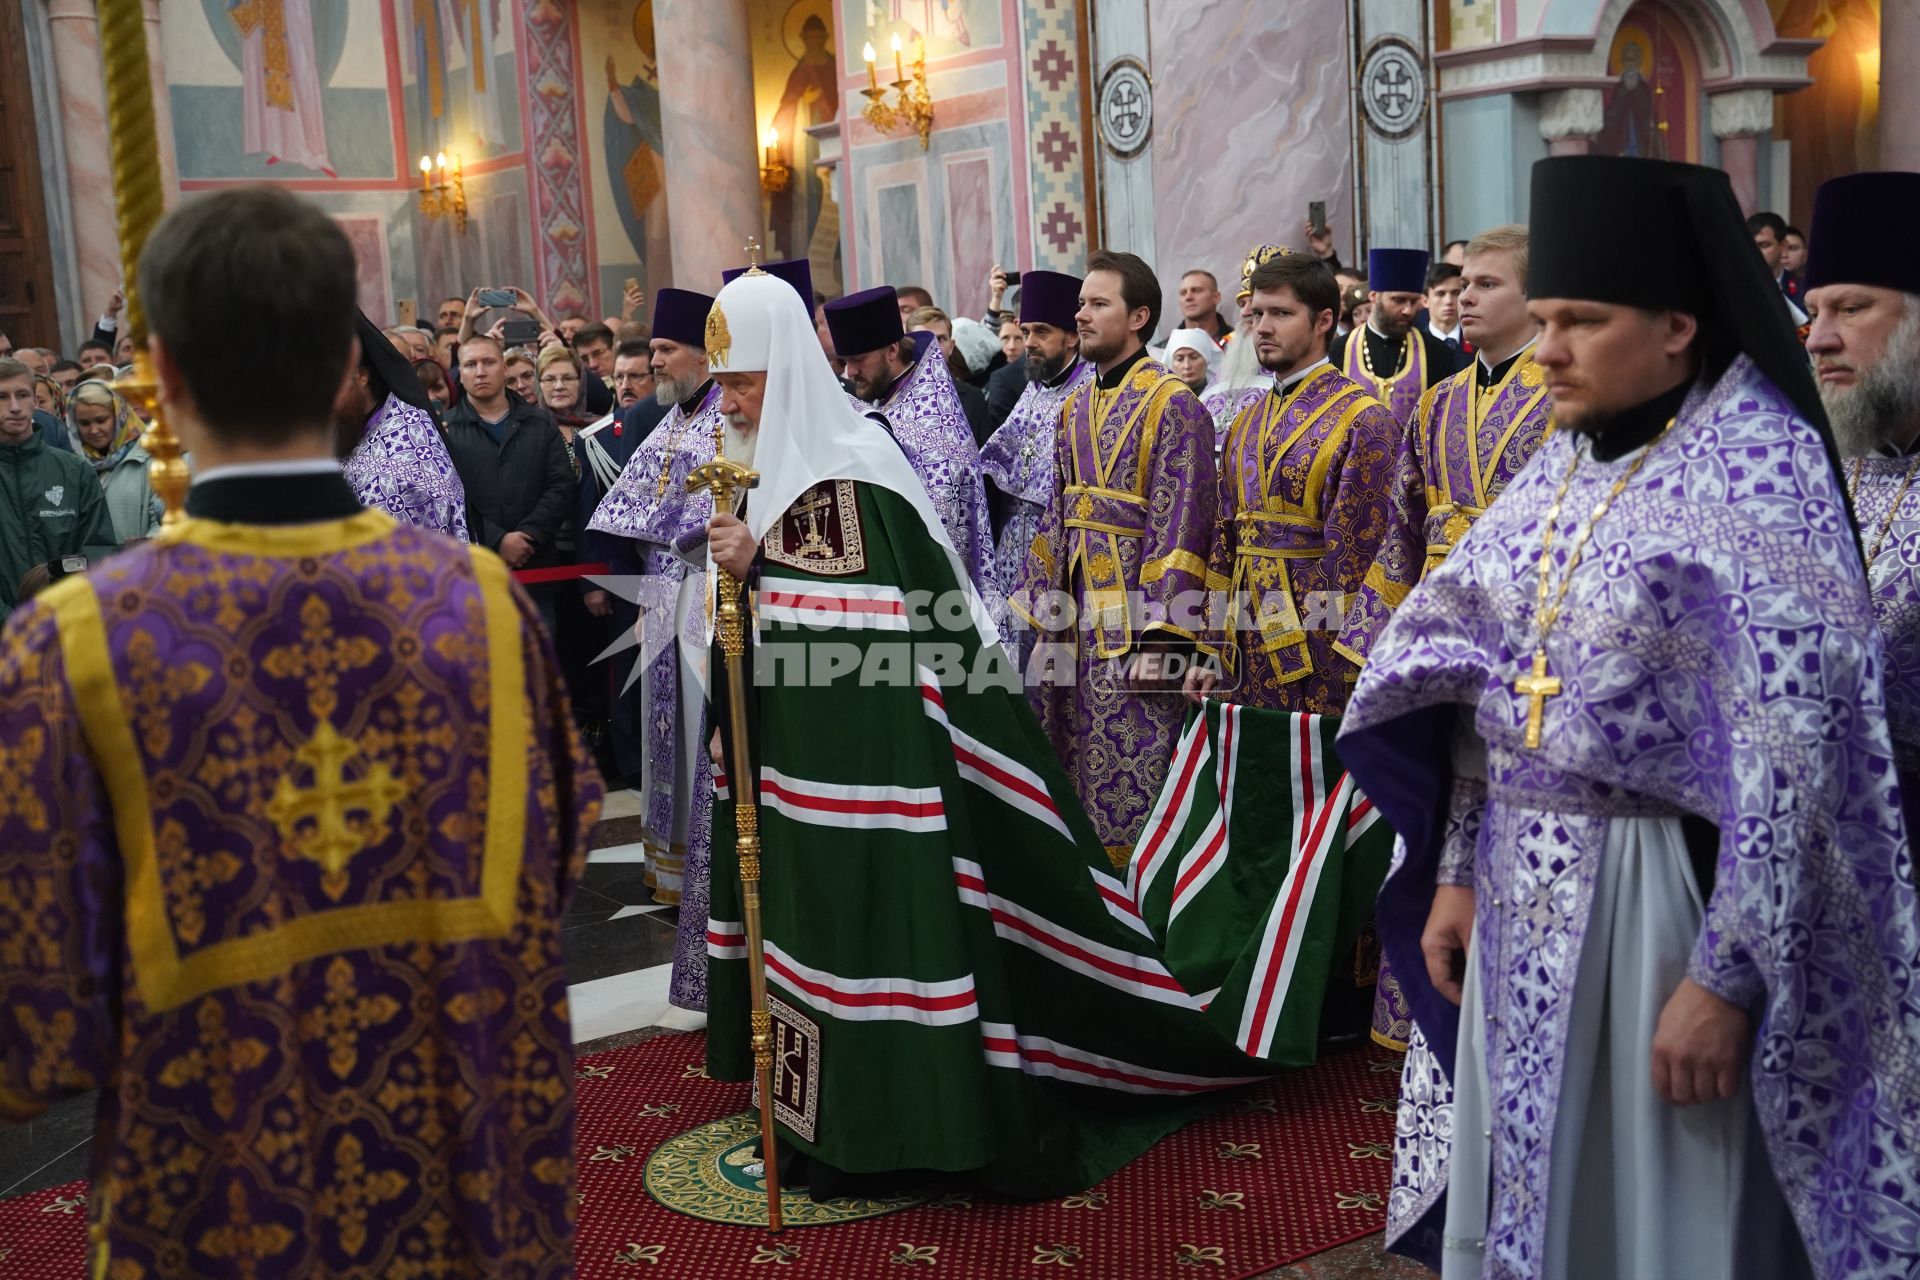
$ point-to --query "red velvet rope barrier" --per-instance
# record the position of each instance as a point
(559, 573)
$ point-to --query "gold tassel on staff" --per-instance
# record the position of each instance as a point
(141, 199)
(724, 478)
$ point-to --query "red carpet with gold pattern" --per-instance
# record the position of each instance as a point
(1295, 1167)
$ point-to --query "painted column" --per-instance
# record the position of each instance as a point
(1392, 78)
(1123, 121)
(1900, 84)
(1740, 119)
(1570, 119)
(707, 126)
(555, 175)
(75, 32)
(162, 101)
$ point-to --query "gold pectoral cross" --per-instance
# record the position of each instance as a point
(1539, 686)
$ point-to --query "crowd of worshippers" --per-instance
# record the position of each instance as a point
(498, 424)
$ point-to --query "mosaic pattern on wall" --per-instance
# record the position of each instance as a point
(1057, 165)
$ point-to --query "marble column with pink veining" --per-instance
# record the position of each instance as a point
(75, 30)
(707, 126)
(1900, 84)
(1739, 120)
(162, 101)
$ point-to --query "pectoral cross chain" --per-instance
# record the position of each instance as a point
(1538, 687)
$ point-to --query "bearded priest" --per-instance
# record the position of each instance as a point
(1395, 359)
(650, 529)
(908, 808)
(1863, 288)
(1017, 459)
(1654, 908)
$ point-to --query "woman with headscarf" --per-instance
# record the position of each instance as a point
(106, 431)
(48, 397)
(386, 435)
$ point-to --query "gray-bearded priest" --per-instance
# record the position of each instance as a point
(1863, 288)
(1654, 906)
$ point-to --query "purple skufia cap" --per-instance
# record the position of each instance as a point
(1049, 297)
(1397, 270)
(797, 272)
(680, 315)
(865, 321)
(1862, 232)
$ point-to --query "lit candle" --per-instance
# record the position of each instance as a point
(873, 76)
(426, 171)
(771, 140)
(441, 160)
(898, 74)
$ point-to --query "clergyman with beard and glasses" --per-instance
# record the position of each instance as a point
(1863, 287)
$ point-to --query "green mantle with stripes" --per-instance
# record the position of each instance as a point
(960, 982)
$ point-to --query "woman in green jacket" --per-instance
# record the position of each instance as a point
(107, 431)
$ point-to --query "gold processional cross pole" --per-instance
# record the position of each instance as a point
(141, 200)
(725, 478)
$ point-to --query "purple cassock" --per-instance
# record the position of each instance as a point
(1125, 539)
(1886, 502)
(1465, 445)
(666, 529)
(291, 818)
(923, 411)
(1301, 512)
(1018, 461)
(1716, 657)
(401, 466)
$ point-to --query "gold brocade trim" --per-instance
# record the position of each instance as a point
(1044, 554)
(269, 17)
(1388, 1042)
(1324, 455)
(1100, 526)
(1391, 592)
(1291, 516)
(1102, 491)
(165, 979)
(1346, 651)
(16, 1107)
(1178, 558)
(1119, 855)
(321, 538)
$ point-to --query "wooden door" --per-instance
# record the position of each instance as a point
(27, 313)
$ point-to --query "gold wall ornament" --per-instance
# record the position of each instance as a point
(774, 171)
(913, 105)
(444, 196)
(140, 198)
(719, 339)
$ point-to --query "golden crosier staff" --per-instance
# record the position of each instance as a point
(141, 200)
(725, 478)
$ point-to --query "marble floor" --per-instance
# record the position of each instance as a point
(619, 945)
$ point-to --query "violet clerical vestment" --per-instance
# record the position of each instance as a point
(1716, 660)
(1302, 509)
(401, 466)
(923, 412)
(1225, 404)
(1124, 537)
(1469, 439)
(1017, 460)
(1400, 387)
(291, 817)
(664, 533)
(1886, 502)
